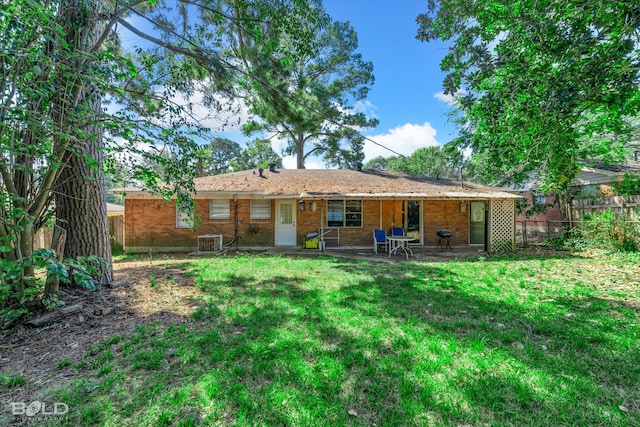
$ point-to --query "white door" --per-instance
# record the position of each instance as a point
(285, 223)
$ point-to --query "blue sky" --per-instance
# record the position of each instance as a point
(407, 95)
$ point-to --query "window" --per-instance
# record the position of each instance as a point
(219, 209)
(183, 219)
(589, 191)
(344, 213)
(539, 198)
(261, 209)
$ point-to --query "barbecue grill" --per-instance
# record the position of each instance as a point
(444, 239)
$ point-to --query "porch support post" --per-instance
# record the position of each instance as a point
(380, 214)
(322, 224)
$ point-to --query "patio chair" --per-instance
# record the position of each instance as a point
(380, 238)
(397, 231)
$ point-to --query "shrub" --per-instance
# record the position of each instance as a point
(606, 231)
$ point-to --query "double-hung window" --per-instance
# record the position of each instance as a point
(344, 213)
(183, 219)
(261, 209)
(219, 209)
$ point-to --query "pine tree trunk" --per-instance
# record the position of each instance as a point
(80, 196)
(81, 205)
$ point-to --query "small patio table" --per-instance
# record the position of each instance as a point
(400, 242)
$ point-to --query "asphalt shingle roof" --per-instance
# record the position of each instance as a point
(318, 183)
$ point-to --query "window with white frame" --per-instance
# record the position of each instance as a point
(219, 209)
(344, 213)
(261, 209)
(183, 219)
(539, 198)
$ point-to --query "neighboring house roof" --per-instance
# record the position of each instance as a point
(336, 183)
(598, 172)
(595, 172)
(113, 208)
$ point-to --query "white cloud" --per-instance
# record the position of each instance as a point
(290, 162)
(403, 139)
(231, 116)
(367, 108)
(449, 99)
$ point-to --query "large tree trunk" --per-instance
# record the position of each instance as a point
(80, 196)
(81, 205)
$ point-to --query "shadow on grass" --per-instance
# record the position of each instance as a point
(398, 344)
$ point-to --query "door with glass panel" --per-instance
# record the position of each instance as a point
(478, 223)
(412, 220)
(285, 223)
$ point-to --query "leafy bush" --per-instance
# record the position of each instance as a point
(629, 186)
(605, 231)
(15, 302)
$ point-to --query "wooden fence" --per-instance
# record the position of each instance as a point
(116, 234)
(116, 231)
(626, 206)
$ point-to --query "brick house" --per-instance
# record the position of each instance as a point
(279, 207)
(593, 181)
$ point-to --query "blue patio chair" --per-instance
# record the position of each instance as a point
(380, 238)
(397, 231)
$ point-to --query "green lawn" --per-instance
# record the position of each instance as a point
(536, 341)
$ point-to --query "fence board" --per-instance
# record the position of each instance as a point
(621, 205)
(116, 234)
(116, 231)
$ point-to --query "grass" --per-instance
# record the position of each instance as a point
(331, 341)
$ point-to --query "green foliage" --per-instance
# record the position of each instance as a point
(304, 93)
(436, 161)
(219, 155)
(629, 186)
(9, 381)
(604, 231)
(539, 85)
(257, 154)
(15, 301)
(528, 209)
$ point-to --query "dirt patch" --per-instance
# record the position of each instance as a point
(143, 290)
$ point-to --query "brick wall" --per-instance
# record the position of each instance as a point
(151, 223)
(445, 214)
(551, 214)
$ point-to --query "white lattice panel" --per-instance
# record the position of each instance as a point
(502, 226)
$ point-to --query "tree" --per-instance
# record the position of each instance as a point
(435, 161)
(80, 196)
(59, 62)
(45, 105)
(379, 163)
(536, 81)
(304, 93)
(219, 156)
(257, 154)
